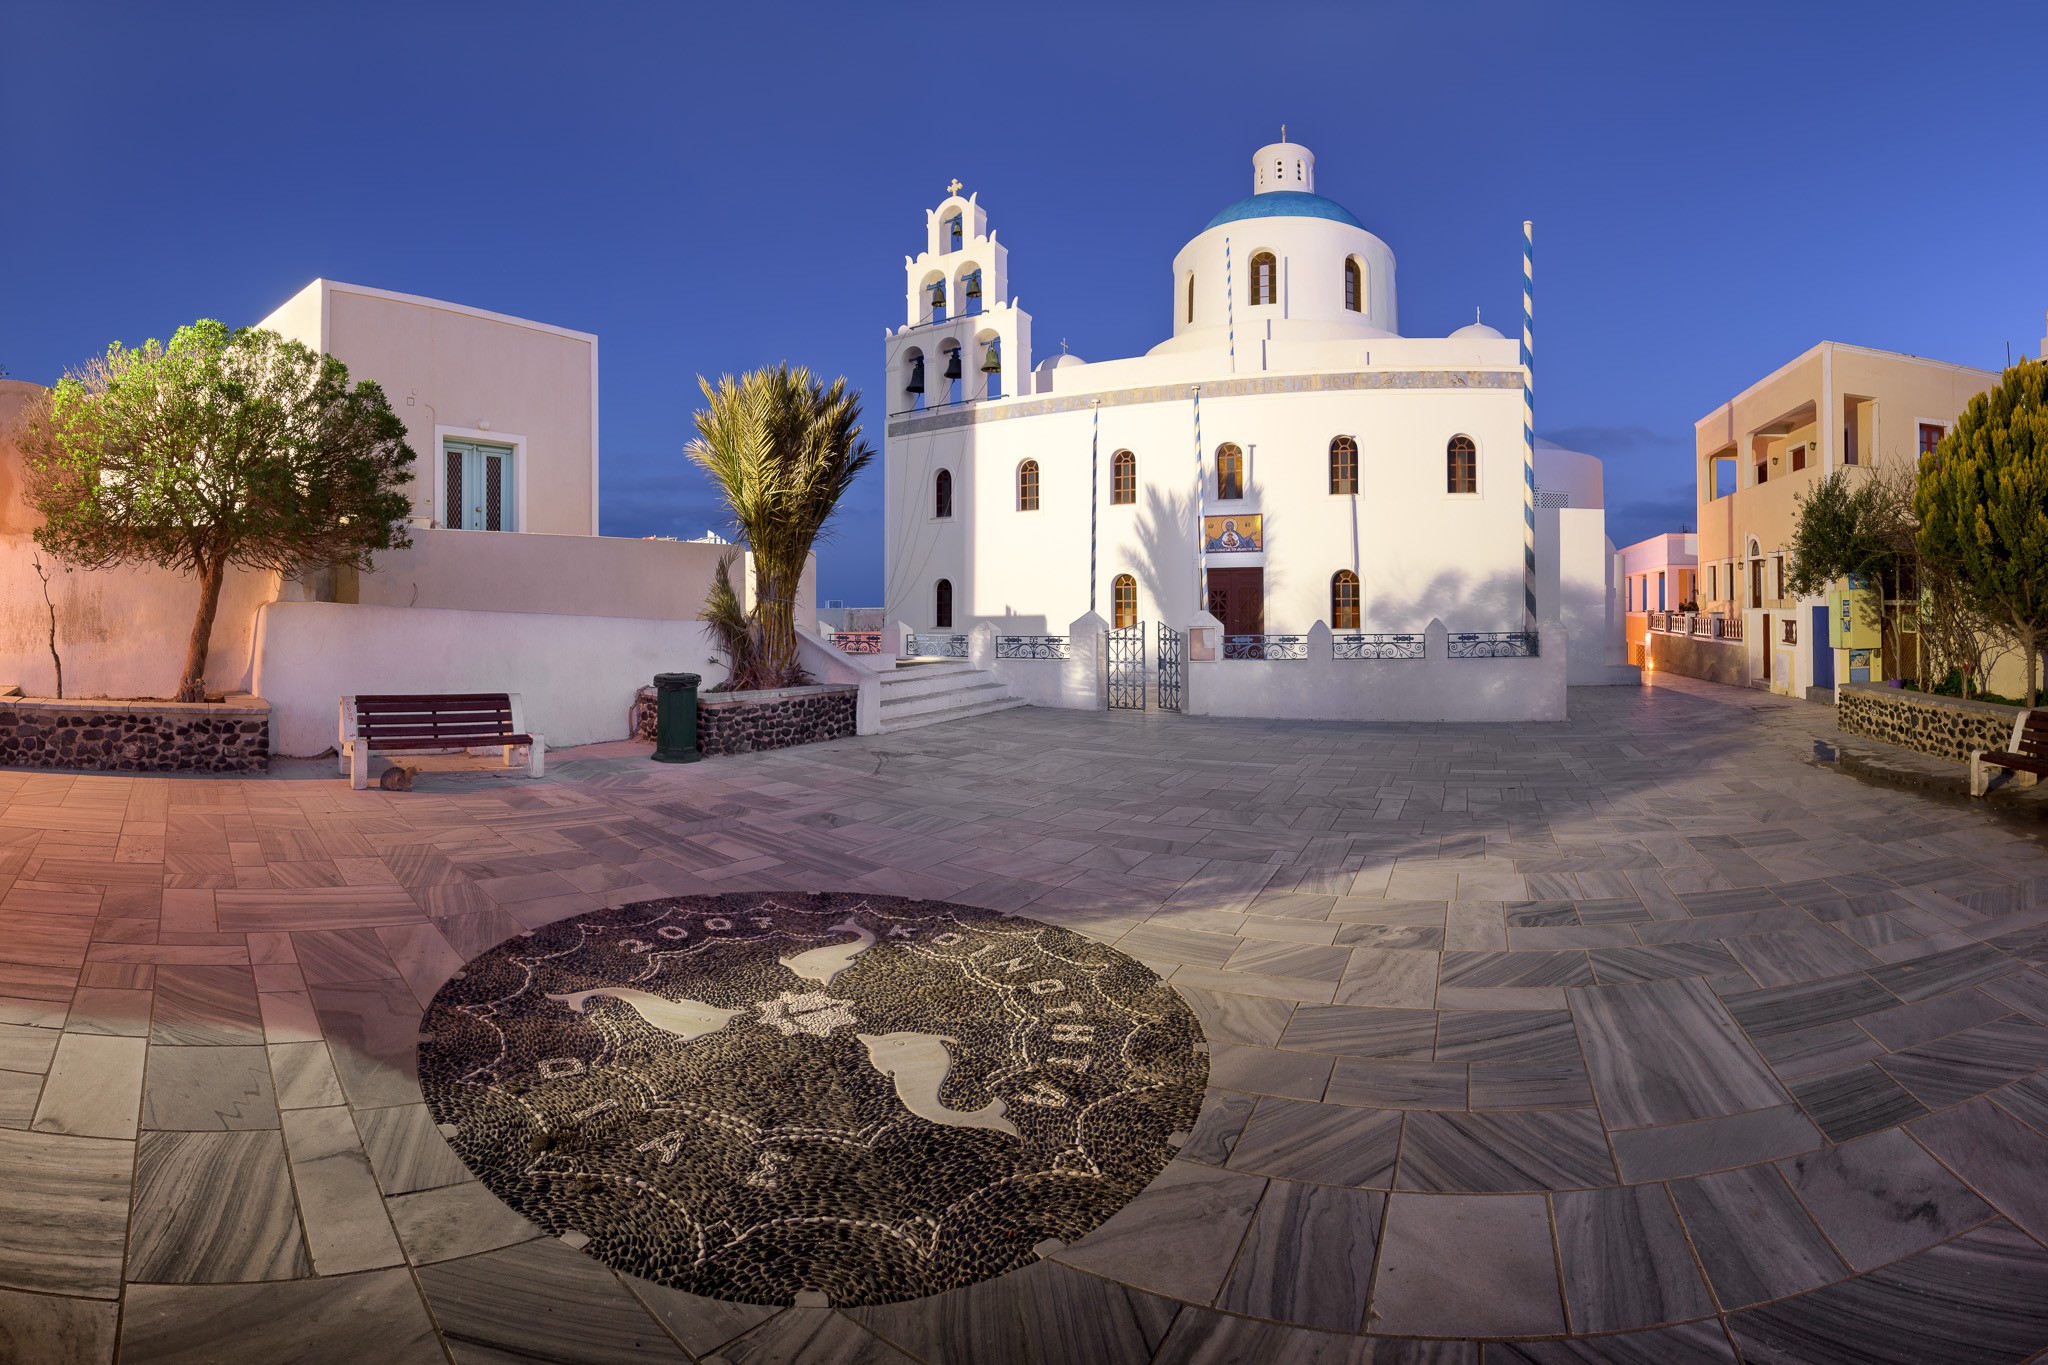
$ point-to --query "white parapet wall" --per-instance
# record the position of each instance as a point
(1436, 687)
(577, 675)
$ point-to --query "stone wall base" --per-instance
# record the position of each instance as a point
(1946, 727)
(1721, 661)
(746, 722)
(136, 737)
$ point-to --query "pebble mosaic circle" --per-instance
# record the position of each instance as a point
(754, 1097)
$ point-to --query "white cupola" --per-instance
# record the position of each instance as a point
(1283, 165)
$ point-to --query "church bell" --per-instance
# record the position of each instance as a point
(952, 364)
(916, 384)
(992, 360)
(974, 285)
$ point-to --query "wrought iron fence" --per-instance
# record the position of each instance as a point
(936, 646)
(1172, 649)
(1378, 646)
(1127, 668)
(1492, 644)
(1031, 646)
(857, 641)
(1265, 646)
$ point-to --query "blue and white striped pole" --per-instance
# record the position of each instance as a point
(1528, 427)
(1094, 491)
(1201, 507)
(1229, 314)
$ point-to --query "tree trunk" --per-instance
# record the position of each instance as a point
(2030, 640)
(192, 687)
(775, 609)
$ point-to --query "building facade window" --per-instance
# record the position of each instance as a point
(1123, 601)
(1229, 473)
(1191, 298)
(1265, 278)
(1712, 595)
(1799, 458)
(1027, 486)
(1461, 466)
(1354, 286)
(1930, 436)
(1344, 600)
(1763, 469)
(942, 604)
(1123, 479)
(1850, 454)
(1343, 465)
(942, 494)
(477, 487)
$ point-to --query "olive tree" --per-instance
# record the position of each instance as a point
(223, 448)
(1982, 502)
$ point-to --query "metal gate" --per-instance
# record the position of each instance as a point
(1127, 668)
(1172, 651)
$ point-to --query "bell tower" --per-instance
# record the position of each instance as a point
(963, 339)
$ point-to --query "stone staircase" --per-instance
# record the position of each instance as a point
(917, 694)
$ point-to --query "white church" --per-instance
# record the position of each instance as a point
(1284, 458)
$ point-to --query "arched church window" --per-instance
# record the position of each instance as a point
(942, 604)
(913, 378)
(1344, 600)
(1461, 466)
(1265, 278)
(937, 290)
(1191, 298)
(1027, 486)
(970, 293)
(1229, 473)
(942, 494)
(1123, 479)
(1123, 601)
(1354, 286)
(1343, 465)
(954, 232)
(953, 372)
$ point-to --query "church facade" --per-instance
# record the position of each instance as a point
(1284, 457)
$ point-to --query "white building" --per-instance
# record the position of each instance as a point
(1285, 445)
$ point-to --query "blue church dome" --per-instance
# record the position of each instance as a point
(1284, 204)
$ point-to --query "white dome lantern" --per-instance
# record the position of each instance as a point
(1283, 165)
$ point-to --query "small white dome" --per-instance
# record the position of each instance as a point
(1059, 360)
(1478, 330)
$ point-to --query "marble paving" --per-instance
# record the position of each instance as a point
(1639, 1038)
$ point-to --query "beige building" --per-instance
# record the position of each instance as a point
(501, 410)
(1835, 407)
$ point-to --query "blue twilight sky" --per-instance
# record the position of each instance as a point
(1715, 187)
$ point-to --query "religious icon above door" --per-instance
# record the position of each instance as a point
(1240, 534)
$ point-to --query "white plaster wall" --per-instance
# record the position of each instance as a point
(1310, 252)
(1419, 552)
(576, 674)
(1435, 688)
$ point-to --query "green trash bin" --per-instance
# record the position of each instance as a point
(675, 717)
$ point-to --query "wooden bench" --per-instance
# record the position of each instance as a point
(2027, 752)
(449, 723)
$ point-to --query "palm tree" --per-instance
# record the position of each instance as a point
(783, 449)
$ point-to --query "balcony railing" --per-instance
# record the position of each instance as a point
(1265, 646)
(1727, 627)
(1493, 644)
(857, 641)
(935, 646)
(1031, 646)
(1378, 646)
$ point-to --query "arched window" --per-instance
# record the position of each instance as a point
(1461, 466)
(1265, 278)
(1354, 286)
(970, 293)
(954, 230)
(942, 491)
(1229, 473)
(1027, 486)
(1343, 600)
(942, 605)
(1191, 298)
(1343, 465)
(936, 291)
(953, 371)
(1123, 601)
(1123, 478)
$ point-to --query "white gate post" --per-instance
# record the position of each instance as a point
(1084, 677)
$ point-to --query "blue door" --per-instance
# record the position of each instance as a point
(1823, 657)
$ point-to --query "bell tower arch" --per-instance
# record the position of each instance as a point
(958, 315)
